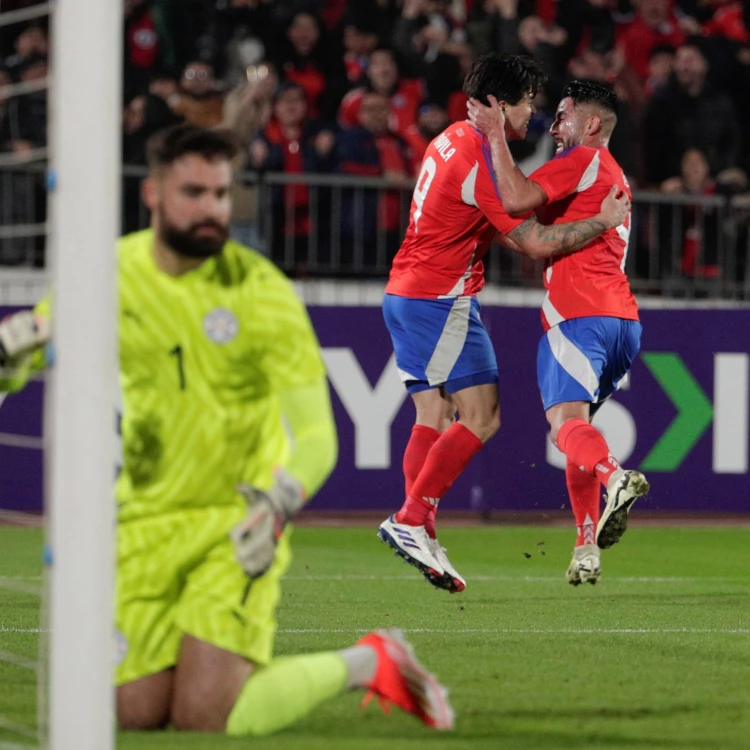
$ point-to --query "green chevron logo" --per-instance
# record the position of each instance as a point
(694, 411)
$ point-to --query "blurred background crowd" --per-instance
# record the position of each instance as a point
(360, 87)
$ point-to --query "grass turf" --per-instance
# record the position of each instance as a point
(655, 656)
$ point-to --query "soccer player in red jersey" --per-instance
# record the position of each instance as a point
(589, 315)
(443, 351)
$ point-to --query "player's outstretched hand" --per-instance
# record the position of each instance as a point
(486, 119)
(255, 538)
(20, 335)
(615, 208)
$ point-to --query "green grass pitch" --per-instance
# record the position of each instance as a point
(655, 656)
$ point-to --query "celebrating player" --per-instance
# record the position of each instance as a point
(443, 351)
(215, 348)
(590, 317)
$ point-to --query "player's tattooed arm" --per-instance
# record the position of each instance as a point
(544, 241)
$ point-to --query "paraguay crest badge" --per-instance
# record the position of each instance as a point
(221, 325)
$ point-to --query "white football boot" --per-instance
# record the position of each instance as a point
(452, 580)
(623, 489)
(414, 545)
(585, 567)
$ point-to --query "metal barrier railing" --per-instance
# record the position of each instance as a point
(342, 226)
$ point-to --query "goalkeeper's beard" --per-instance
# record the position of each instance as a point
(188, 243)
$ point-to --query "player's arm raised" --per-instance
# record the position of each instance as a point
(544, 241)
(519, 194)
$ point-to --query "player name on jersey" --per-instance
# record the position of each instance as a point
(444, 146)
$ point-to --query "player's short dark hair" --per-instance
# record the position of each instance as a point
(506, 77)
(592, 92)
(166, 146)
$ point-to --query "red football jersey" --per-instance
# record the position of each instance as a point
(455, 213)
(592, 281)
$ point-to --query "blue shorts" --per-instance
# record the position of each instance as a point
(439, 343)
(585, 359)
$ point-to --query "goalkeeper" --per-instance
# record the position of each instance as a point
(217, 355)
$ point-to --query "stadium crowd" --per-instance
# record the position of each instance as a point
(360, 88)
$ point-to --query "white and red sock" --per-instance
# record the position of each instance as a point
(583, 490)
(586, 447)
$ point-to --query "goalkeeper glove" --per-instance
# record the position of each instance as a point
(255, 538)
(21, 334)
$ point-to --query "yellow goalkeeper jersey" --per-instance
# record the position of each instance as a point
(202, 359)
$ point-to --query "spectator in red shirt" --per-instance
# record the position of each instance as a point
(655, 23)
(148, 45)
(372, 219)
(697, 226)
(314, 63)
(382, 77)
(294, 144)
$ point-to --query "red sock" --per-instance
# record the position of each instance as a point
(585, 447)
(583, 490)
(421, 440)
(447, 458)
(429, 522)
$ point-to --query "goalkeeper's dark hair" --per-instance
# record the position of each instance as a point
(166, 146)
(592, 92)
(507, 77)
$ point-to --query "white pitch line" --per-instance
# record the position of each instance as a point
(4, 629)
(482, 578)
(519, 579)
(535, 631)
(11, 726)
(20, 587)
(497, 631)
(18, 661)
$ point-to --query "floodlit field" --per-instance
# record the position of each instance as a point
(656, 656)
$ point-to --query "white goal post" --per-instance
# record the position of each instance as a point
(84, 137)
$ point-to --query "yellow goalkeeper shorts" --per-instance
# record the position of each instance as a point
(177, 574)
